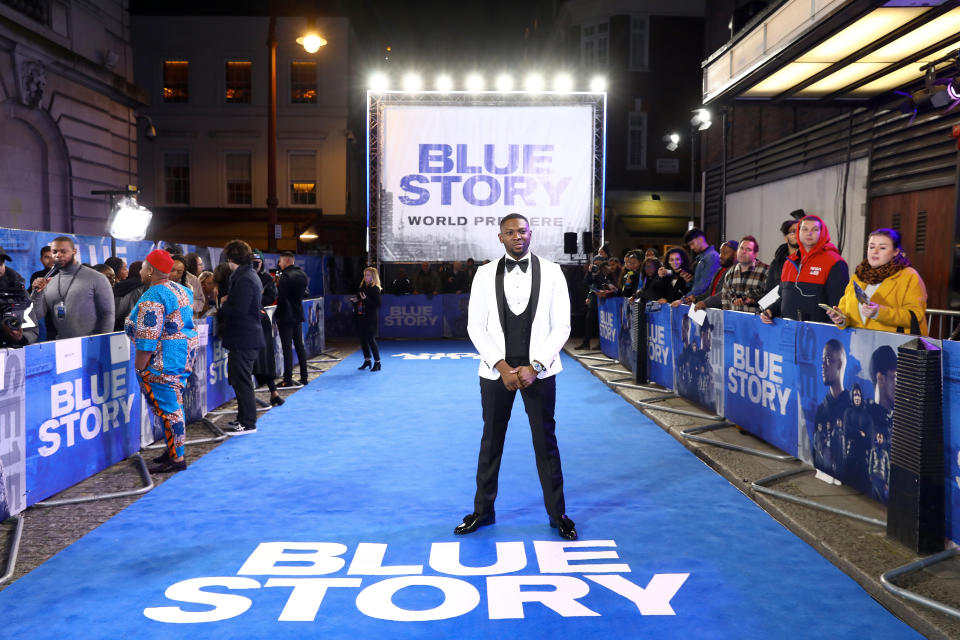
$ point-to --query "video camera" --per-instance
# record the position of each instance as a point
(13, 304)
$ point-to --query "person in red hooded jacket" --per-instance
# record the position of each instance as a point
(816, 274)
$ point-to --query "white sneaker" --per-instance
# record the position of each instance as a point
(236, 429)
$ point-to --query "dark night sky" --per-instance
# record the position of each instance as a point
(451, 34)
(428, 34)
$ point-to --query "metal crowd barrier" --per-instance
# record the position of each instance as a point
(942, 323)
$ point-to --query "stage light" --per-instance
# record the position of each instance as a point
(444, 83)
(598, 84)
(534, 83)
(379, 82)
(504, 82)
(563, 83)
(672, 140)
(940, 96)
(412, 82)
(701, 119)
(474, 82)
(128, 220)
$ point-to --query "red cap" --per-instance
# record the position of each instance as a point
(160, 260)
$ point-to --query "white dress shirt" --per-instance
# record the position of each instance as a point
(517, 285)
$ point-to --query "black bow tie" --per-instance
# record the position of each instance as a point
(517, 263)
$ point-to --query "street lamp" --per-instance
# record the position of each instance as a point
(700, 121)
(311, 43)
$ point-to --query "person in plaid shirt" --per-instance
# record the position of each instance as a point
(743, 285)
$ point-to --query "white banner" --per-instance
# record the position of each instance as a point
(451, 172)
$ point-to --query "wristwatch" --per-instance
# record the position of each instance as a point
(539, 368)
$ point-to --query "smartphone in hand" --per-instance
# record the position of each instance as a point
(860, 293)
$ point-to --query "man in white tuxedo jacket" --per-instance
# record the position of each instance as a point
(519, 320)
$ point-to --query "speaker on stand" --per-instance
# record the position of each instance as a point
(587, 243)
(570, 243)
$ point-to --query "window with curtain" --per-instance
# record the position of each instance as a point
(303, 82)
(176, 177)
(176, 76)
(637, 140)
(595, 44)
(239, 184)
(303, 178)
(239, 85)
(639, 30)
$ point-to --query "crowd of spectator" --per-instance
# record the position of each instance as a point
(68, 299)
(432, 279)
(807, 279)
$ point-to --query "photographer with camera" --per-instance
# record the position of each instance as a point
(673, 279)
(630, 278)
(598, 286)
(9, 279)
(14, 301)
(13, 304)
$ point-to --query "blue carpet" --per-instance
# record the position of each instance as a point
(366, 471)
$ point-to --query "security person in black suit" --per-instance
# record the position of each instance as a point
(292, 286)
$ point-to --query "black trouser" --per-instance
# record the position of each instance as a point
(291, 335)
(267, 379)
(539, 400)
(240, 376)
(589, 318)
(367, 340)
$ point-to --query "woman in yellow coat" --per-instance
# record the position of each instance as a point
(897, 295)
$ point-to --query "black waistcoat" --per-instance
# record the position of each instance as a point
(516, 328)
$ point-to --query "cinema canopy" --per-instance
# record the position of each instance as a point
(832, 50)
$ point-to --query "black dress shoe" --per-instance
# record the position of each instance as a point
(376, 366)
(168, 466)
(276, 401)
(564, 527)
(473, 521)
(365, 365)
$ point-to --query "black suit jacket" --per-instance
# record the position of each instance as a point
(239, 316)
(663, 288)
(292, 286)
